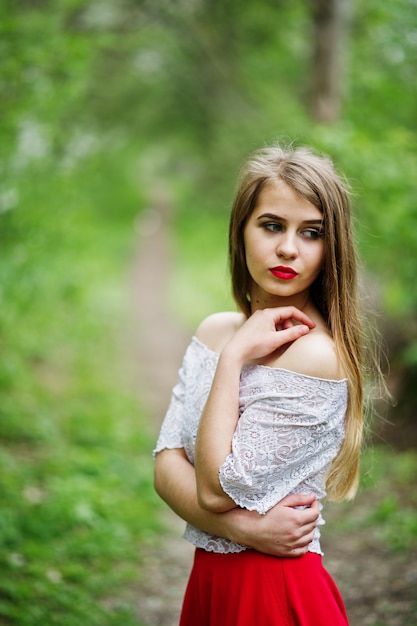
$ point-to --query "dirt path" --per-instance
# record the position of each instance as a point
(161, 340)
(379, 586)
(160, 346)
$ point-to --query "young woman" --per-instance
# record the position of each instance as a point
(268, 409)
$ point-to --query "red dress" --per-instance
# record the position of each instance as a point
(253, 589)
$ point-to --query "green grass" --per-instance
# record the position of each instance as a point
(385, 506)
(391, 502)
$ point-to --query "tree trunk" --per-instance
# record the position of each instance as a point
(330, 27)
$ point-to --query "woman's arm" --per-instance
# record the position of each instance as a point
(263, 333)
(283, 531)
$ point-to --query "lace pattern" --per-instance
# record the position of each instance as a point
(290, 428)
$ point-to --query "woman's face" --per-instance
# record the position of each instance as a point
(284, 247)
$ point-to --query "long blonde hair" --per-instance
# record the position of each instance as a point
(334, 291)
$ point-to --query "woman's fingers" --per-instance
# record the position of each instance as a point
(289, 314)
(268, 330)
(290, 334)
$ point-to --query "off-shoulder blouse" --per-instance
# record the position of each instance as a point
(290, 428)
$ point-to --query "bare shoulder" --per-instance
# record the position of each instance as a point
(313, 354)
(216, 330)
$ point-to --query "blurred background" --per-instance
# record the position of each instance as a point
(123, 124)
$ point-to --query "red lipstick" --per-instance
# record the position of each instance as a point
(284, 273)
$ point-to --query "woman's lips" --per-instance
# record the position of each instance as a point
(284, 273)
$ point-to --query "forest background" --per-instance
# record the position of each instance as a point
(110, 110)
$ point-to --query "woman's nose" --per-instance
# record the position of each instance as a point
(287, 245)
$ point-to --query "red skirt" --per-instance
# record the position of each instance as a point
(254, 589)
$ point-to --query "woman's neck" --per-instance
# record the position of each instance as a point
(301, 301)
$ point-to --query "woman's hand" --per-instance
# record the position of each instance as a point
(265, 331)
(283, 531)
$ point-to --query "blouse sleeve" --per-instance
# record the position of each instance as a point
(171, 433)
(289, 429)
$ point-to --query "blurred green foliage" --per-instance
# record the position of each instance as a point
(102, 104)
(385, 505)
(75, 470)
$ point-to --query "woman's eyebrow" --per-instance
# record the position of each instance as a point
(314, 221)
(270, 216)
(273, 216)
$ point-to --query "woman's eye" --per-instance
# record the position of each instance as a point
(273, 227)
(313, 233)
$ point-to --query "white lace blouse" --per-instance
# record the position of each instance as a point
(290, 428)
